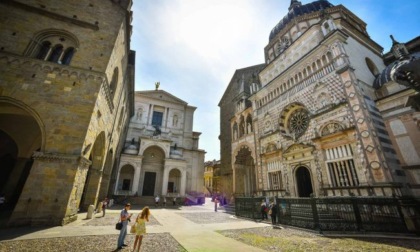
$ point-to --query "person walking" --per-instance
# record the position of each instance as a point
(263, 210)
(174, 201)
(104, 205)
(157, 200)
(164, 201)
(216, 201)
(141, 227)
(124, 218)
(273, 212)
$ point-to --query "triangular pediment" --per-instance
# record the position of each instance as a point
(161, 95)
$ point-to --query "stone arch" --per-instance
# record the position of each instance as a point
(21, 134)
(331, 128)
(143, 148)
(174, 180)
(125, 179)
(303, 178)
(43, 42)
(244, 171)
(294, 120)
(152, 171)
(94, 174)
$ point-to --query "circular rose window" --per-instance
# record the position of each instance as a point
(298, 122)
(294, 121)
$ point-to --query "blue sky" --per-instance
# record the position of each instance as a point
(193, 47)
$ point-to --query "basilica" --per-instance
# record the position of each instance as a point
(161, 155)
(327, 114)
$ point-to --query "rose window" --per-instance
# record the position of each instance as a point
(298, 122)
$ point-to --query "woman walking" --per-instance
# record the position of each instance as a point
(141, 227)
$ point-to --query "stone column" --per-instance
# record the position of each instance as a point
(136, 180)
(165, 180)
(183, 182)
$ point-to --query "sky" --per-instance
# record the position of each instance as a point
(193, 47)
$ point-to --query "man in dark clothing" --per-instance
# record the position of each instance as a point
(273, 213)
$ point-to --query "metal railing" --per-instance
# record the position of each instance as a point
(358, 214)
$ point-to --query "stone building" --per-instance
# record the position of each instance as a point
(235, 104)
(212, 177)
(399, 105)
(66, 94)
(310, 124)
(161, 155)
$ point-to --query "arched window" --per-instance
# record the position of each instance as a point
(114, 82)
(68, 55)
(53, 45)
(56, 53)
(44, 50)
(372, 67)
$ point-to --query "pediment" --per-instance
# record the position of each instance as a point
(161, 95)
(298, 148)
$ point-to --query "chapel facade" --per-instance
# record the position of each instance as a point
(66, 94)
(310, 124)
(161, 154)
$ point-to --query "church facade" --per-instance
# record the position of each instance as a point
(66, 94)
(309, 123)
(161, 154)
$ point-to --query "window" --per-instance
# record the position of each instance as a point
(157, 118)
(275, 180)
(53, 45)
(341, 168)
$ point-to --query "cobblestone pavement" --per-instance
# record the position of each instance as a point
(151, 242)
(174, 229)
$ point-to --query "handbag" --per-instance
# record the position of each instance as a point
(118, 226)
(133, 229)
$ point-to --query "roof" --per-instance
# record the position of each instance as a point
(297, 9)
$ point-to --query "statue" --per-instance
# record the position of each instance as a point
(157, 84)
(157, 130)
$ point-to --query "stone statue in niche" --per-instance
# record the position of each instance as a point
(139, 114)
(249, 128)
(175, 120)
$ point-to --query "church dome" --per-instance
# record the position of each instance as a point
(297, 9)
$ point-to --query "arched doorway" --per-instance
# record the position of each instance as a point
(303, 182)
(244, 173)
(125, 180)
(20, 136)
(174, 181)
(152, 171)
(94, 175)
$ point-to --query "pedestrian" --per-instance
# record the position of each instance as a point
(215, 204)
(273, 212)
(157, 200)
(141, 227)
(104, 205)
(164, 201)
(263, 209)
(124, 218)
(174, 201)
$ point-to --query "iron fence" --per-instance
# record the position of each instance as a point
(360, 214)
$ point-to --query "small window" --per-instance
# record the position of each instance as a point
(372, 67)
(157, 118)
(68, 55)
(44, 50)
(56, 53)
